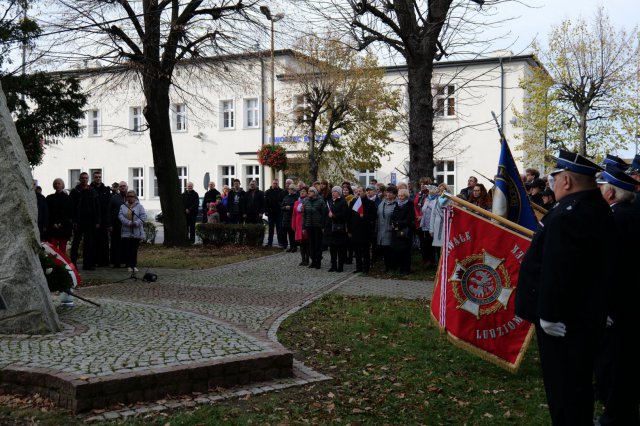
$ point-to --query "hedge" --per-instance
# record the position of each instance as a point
(222, 233)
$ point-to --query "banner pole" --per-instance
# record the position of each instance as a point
(539, 208)
(526, 231)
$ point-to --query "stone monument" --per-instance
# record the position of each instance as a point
(25, 300)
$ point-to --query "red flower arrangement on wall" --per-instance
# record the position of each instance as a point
(274, 156)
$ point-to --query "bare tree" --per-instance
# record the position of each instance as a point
(587, 96)
(149, 39)
(421, 32)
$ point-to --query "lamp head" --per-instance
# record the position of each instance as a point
(265, 11)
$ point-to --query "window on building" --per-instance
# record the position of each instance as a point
(94, 124)
(136, 177)
(182, 179)
(154, 191)
(228, 115)
(74, 178)
(135, 119)
(445, 172)
(251, 173)
(251, 113)
(365, 176)
(445, 101)
(180, 117)
(227, 175)
(300, 108)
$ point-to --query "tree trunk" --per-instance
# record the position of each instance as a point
(313, 155)
(582, 133)
(164, 161)
(420, 120)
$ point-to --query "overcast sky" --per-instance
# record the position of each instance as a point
(536, 21)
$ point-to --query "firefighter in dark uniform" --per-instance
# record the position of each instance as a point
(634, 172)
(617, 370)
(562, 286)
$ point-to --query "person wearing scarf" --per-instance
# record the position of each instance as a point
(423, 217)
(301, 237)
(314, 216)
(132, 216)
(436, 222)
(383, 234)
(335, 233)
(402, 225)
(362, 217)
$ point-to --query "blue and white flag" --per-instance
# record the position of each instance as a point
(509, 197)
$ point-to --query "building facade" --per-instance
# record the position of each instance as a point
(220, 118)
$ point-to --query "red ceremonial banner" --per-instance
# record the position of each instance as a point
(474, 296)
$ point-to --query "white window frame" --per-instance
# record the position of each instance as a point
(227, 114)
(136, 177)
(445, 173)
(445, 94)
(94, 122)
(251, 113)
(183, 178)
(153, 184)
(227, 175)
(136, 120)
(179, 117)
(367, 175)
(251, 172)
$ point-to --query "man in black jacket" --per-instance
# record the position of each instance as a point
(466, 193)
(115, 226)
(562, 287)
(209, 197)
(288, 231)
(190, 203)
(254, 203)
(236, 203)
(101, 240)
(86, 220)
(43, 212)
(273, 204)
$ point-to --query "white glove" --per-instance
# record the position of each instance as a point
(609, 321)
(556, 329)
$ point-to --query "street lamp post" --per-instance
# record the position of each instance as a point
(272, 104)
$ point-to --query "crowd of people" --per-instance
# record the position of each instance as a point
(354, 223)
(108, 221)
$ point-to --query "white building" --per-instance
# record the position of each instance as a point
(220, 119)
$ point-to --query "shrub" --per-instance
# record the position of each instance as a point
(222, 233)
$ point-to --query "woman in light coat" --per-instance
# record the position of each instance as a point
(383, 227)
(436, 224)
(132, 215)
